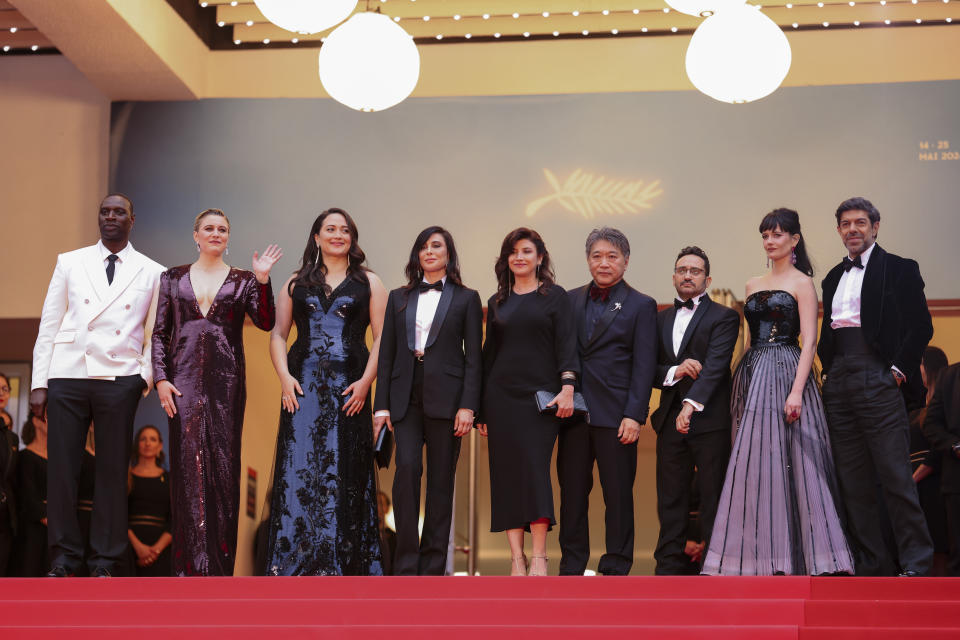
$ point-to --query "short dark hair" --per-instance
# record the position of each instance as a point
(858, 204)
(694, 251)
(120, 195)
(611, 235)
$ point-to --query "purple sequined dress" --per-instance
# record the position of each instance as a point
(202, 356)
(777, 512)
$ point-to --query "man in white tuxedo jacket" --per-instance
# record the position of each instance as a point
(91, 362)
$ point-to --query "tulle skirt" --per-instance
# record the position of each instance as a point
(778, 508)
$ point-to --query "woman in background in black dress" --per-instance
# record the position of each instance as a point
(198, 366)
(30, 547)
(926, 464)
(149, 505)
(530, 346)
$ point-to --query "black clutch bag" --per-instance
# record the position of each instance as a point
(580, 409)
(383, 449)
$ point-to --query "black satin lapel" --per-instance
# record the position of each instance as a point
(580, 308)
(830, 289)
(411, 319)
(614, 305)
(702, 308)
(666, 331)
(446, 297)
(871, 293)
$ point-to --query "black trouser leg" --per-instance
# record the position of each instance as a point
(711, 452)
(575, 475)
(6, 543)
(408, 435)
(675, 467)
(69, 413)
(952, 503)
(617, 467)
(869, 431)
(114, 408)
(443, 451)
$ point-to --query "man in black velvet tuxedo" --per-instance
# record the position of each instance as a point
(696, 341)
(942, 428)
(428, 390)
(876, 325)
(617, 347)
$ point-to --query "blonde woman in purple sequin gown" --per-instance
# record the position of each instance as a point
(778, 511)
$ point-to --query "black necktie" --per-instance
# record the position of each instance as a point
(436, 286)
(850, 264)
(678, 304)
(112, 258)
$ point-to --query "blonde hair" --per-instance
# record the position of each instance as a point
(209, 212)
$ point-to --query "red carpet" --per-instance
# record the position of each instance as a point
(487, 608)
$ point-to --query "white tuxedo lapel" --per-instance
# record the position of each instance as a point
(126, 274)
(96, 274)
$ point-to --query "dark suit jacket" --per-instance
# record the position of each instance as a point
(618, 359)
(9, 444)
(709, 339)
(452, 363)
(942, 426)
(894, 317)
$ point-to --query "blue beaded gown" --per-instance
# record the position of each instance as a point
(323, 504)
(777, 512)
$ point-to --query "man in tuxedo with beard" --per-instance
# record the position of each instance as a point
(876, 325)
(616, 329)
(696, 341)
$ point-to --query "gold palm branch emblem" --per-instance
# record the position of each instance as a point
(591, 195)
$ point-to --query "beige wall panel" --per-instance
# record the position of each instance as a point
(53, 172)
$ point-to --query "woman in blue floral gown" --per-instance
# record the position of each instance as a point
(323, 505)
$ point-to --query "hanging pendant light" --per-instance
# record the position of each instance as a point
(738, 55)
(306, 16)
(369, 63)
(701, 8)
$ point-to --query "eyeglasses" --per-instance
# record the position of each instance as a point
(4, 390)
(693, 271)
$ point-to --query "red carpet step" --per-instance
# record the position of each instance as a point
(491, 608)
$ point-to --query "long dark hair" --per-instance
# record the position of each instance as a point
(502, 267)
(313, 272)
(414, 271)
(28, 432)
(789, 222)
(934, 361)
(135, 453)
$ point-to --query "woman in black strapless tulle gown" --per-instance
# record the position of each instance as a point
(778, 511)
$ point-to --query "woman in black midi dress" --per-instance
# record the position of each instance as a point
(530, 346)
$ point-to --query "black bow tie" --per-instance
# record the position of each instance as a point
(678, 304)
(436, 286)
(599, 293)
(850, 264)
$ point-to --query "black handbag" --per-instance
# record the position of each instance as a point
(580, 409)
(383, 449)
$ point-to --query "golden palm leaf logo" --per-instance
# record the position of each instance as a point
(591, 195)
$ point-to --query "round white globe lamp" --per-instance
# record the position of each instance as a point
(306, 16)
(738, 55)
(701, 8)
(369, 63)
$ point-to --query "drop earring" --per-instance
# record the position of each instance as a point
(198, 247)
(768, 262)
(793, 256)
(226, 251)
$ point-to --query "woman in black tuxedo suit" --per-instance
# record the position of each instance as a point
(428, 390)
